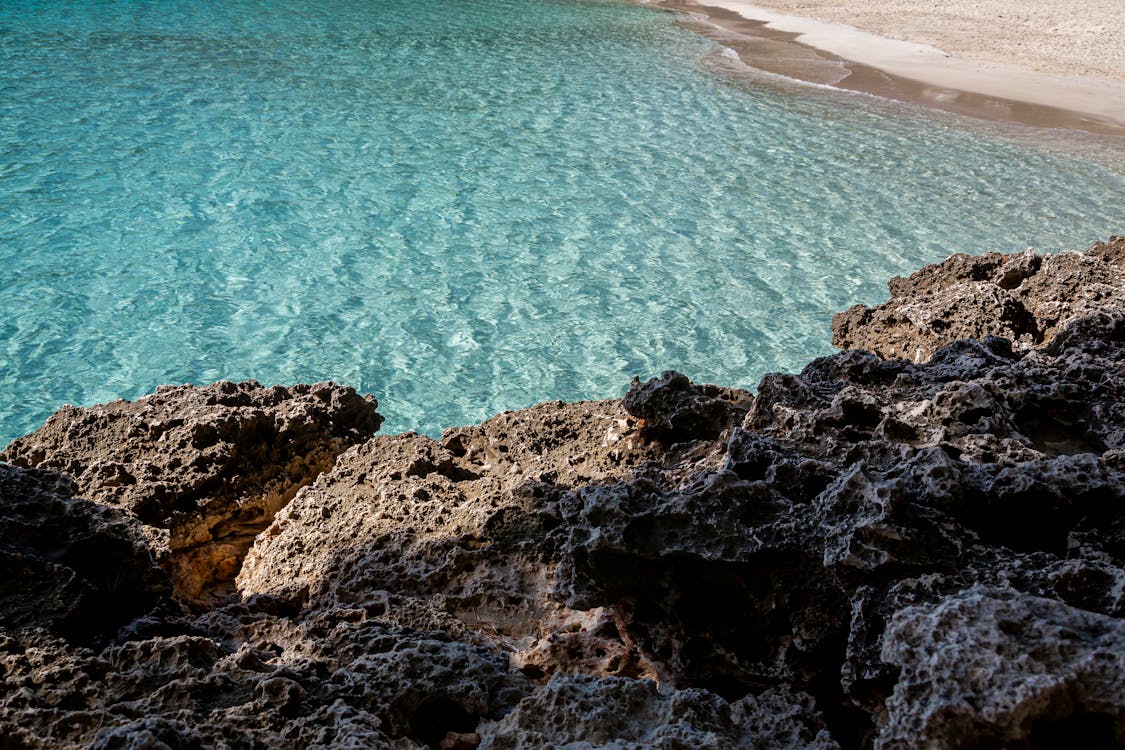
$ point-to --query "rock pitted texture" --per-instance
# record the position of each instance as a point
(1004, 667)
(871, 553)
(611, 712)
(203, 468)
(70, 566)
(456, 534)
(1024, 297)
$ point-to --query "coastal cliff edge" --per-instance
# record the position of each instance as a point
(917, 542)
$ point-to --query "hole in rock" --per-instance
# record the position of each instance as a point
(753, 467)
(898, 431)
(973, 416)
(455, 444)
(1052, 437)
(1045, 518)
(420, 468)
(434, 719)
(288, 605)
(533, 672)
(858, 416)
(952, 451)
(850, 726)
(1044, 528)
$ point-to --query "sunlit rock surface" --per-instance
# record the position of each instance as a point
(204, 469)
(875, 552)
(1024, 297)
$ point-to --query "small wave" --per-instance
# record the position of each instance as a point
(731, 54)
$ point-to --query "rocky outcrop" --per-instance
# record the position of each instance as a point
(674, 409)
(611, 712)
(851, 491)
(69, 566)
(1023, 297)
(1004, 668)
(204, 469)
(870, 553)
(455, 534)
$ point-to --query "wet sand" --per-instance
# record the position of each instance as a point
(848, 58)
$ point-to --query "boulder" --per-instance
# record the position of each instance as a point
(203, 468)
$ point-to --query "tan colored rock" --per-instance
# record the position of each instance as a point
(1024, 297)
(204, 468)
(451, 534)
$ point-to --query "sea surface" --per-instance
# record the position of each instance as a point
(461, 206)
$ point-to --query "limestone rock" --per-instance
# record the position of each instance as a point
(203, 468)
(78, 569)
(1024, 297)
(997, 668)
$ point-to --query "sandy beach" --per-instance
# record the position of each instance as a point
(1048, 63)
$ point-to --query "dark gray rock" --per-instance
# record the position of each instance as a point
(613, 713)
(78, 569)
(997, 668)
(674, 409)
(851, 491)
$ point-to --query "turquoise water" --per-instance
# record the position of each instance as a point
(461, 206)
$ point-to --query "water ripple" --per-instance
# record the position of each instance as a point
(460, 207)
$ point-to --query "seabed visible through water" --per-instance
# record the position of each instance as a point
(461, 208)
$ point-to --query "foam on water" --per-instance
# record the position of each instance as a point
(460, 207)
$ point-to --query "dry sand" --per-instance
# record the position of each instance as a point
(1059, 37)
(1056, 63)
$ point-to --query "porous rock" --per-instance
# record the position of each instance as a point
(455, 534)
(75, 568)
(578, 712)
(858, 485)
(242, 677)
(1024, 297)
(998, 668)
(204, 468)
(773, 554)
(673, 408)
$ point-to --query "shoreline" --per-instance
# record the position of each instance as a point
(846, 58)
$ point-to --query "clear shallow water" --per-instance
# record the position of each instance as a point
(460, 207)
